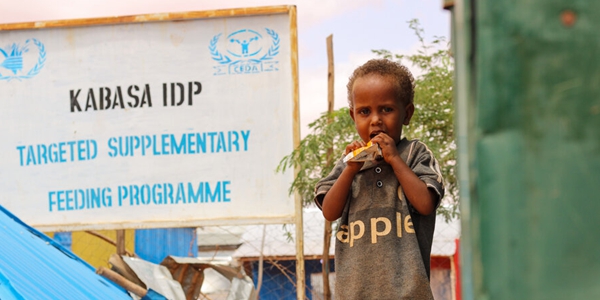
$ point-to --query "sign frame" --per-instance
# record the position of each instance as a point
(290, 11)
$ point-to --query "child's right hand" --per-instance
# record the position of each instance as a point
(354, 166)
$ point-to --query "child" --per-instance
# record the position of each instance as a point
(387, 207)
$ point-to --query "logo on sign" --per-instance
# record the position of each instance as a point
(22, 61)
(245, 51)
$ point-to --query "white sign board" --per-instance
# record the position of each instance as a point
(149, 121)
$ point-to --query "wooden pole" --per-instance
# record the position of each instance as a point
(121, 281)
(300, 271)
(327, 229)
(330, 74)
(121, 242)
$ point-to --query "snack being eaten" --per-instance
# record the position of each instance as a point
(367, 153)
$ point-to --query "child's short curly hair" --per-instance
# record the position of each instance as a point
(398, 74)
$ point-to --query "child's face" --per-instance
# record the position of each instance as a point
(376, 108)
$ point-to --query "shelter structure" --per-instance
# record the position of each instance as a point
(33, 266)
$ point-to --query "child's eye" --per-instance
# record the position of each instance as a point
(364, 111)
(386, 109)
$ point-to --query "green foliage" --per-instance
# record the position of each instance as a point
(432, 123)
(330, 134)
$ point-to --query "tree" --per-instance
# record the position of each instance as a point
(432, 123)
(310, 157)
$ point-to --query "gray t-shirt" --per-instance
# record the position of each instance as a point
(383, 244)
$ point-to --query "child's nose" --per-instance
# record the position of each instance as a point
(375, 119)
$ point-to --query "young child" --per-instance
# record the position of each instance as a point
(387, 207)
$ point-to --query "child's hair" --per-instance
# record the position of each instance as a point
(398, 75)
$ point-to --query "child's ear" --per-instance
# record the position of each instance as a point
(410, 110)
(351, 112)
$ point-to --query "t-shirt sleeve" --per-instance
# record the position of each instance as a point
(323, 186)
(427, 168)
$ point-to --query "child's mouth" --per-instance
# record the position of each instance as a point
(374, 134)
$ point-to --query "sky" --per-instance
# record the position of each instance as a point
(357, 26)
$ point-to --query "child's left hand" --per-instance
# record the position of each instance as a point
(387, 145)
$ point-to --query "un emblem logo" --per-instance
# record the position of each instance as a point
(245, 51)
(22, 61)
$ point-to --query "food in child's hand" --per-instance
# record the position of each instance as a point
(367, 153)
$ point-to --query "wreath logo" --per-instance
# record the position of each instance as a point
(245, 51)
(15, 57)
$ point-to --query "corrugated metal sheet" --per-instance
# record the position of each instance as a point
(196, 276)
(155, 277)
(154, 245)
(33, 266)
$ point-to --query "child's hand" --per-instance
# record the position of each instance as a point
(354, 165)
(387, 145)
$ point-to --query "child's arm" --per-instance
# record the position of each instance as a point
(422, 198)
(335, 199)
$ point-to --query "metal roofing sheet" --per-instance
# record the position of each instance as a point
(33, 266)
